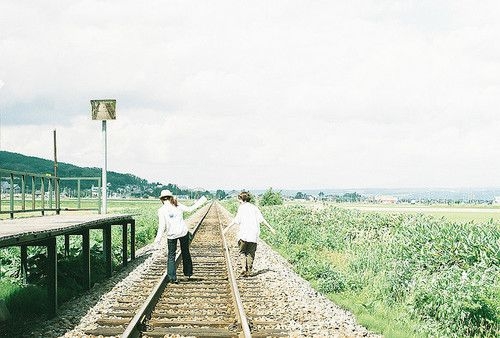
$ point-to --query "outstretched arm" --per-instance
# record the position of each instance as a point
(161, 228)
(195, 206)
(269, 226)
(261, 219)
(236, 220)
(226, 229)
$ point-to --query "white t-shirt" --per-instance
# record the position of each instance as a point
(249, 218)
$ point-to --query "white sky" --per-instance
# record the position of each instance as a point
(258, 94)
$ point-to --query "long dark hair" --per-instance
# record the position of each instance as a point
(171, 199)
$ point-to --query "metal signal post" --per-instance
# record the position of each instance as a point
(104, 169)
(104, 110)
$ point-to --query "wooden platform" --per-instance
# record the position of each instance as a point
(27, 230)
(43, 231)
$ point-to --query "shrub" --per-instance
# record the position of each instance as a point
(459, 303)
(271, 197)
(330, 280)
(28, 300)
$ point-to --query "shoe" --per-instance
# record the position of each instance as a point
(175, 281)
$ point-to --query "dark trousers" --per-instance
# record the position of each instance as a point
(247, 252)
(187, 263)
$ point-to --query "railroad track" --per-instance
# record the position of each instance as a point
(209, 304)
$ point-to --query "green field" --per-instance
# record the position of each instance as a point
(455, 213)
(401, 270)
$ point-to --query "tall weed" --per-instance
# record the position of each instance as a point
(446, 274)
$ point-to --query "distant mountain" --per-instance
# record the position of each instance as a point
(126, 185)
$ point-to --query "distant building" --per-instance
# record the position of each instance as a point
(5, 187)
(386, 199)
(95, 191)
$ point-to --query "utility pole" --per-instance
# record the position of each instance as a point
(104, 169)
(55, 154)
(56, 180)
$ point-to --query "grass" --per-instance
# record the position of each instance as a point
(377, 317)
(454, 213)
(476, 217)
(404, 274)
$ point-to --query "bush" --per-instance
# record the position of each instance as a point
(28, 300)
(271, 197)
(461, 304)
(330, 280)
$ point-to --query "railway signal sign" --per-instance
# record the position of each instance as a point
(103, 109)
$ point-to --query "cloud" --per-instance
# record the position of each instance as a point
(259, 94)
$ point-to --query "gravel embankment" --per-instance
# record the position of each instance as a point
(308, 313)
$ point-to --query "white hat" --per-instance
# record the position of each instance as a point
(165, 193)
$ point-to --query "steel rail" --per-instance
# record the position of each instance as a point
(135, 327)
(245, 327)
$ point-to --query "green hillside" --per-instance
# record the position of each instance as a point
(126, 184)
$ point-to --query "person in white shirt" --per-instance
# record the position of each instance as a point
(249, 218)
(171, 222)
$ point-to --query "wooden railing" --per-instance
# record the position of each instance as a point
(78, 196)
(22, 192)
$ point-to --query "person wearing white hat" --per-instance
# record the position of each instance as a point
(171, 222)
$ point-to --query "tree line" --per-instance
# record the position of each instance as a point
(129, 184)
